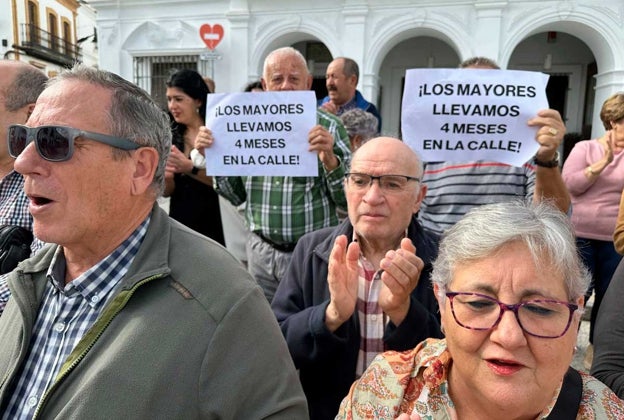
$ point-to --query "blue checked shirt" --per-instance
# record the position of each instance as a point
(14, 205)
(14, 211)
(65, 315)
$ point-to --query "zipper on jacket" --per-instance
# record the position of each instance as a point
(65, 370)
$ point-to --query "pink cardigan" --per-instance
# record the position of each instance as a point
(595, 203)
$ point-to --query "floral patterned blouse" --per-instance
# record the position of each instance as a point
(415, 381)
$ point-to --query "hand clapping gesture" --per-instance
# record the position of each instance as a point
(401, 273)
(402, 270)
(342, 279)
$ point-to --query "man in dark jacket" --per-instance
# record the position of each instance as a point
(362, 287)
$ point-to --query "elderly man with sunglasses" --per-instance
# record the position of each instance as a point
(360, 288)
(126, 313)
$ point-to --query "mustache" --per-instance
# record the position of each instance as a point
(331, 87)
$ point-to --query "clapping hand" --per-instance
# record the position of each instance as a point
(342, 280)
(402, 270)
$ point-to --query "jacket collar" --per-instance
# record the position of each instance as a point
(150, 260)
(425, 241)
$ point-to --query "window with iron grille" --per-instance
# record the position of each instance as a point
(151, 73)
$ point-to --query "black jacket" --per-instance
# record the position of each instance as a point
(326, 361)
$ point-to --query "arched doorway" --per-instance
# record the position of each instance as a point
(572, 67)
(417, 52)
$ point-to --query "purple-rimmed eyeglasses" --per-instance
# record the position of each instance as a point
(542, 318)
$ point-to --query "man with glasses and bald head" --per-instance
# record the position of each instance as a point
(362, 287)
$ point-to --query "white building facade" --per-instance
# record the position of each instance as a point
(579, 42)
(49, 34)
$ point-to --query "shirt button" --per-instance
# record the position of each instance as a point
(32, 401)
(95, 299)
(374, 317)
(59, 327)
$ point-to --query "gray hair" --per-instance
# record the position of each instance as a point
(479, 62)
(28, 84)
(349, 67)
(284, 51)
(358, 121)
(133, 114)
(545, 231)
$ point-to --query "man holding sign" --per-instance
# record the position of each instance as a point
(481, 135)
(281, 209)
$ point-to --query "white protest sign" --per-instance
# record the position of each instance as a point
(261, 133)
(472, 114)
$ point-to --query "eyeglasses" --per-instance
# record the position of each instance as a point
(542, 318)
(55, 143)
(388, 183)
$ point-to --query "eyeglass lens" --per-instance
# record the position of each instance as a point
(386, 182)
(53, 143)
(543, 318)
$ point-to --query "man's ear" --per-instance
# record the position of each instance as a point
(419, 198)
(354, 80)
(310, 80)
(145, 164)
(31, 107)
(25, 112)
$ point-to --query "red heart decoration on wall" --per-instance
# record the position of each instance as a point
(211, 35)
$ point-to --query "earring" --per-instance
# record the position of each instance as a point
(197, 110)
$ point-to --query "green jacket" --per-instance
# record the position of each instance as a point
(188, 336)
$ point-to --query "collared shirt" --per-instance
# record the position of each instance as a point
(13, 202)
(370, 315)
(283, 208)
(372, 319)
(14, 211)
(66, 313)
(14, 205)
(357, 101)
(352, 104)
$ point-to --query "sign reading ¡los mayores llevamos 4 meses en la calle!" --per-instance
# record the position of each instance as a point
(261, 133)
(472, 114)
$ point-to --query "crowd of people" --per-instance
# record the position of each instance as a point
(383, 288)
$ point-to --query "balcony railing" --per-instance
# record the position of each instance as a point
(42, 44)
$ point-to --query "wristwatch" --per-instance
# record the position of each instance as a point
(549, 164)
(195, 170)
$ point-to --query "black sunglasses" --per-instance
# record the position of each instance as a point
(55, 143)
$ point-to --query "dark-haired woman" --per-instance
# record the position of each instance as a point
(193, 201)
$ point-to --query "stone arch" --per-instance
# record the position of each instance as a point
(586, 26)
(287, 32)
(397, 29)
(596, 28)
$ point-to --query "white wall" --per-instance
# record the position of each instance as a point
(384, 36)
